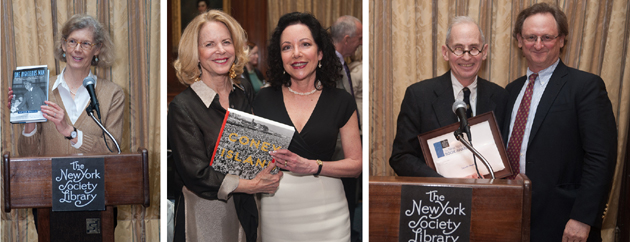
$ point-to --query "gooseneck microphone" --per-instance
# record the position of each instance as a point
(88, 83)
(459, 108)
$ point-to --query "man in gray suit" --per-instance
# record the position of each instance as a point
(347, 35)
(427, 104)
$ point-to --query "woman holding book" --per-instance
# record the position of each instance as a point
(310, 204)
(83, 43)
(211, 56)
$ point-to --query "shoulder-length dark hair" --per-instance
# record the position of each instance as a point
(330, 71)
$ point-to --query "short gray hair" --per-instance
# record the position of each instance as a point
(101, 36)
(463, 19)
(345, 25)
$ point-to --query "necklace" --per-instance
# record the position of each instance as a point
(70, 89)
(318, 87)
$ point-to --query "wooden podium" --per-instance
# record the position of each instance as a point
(500, 209)
(28, 184)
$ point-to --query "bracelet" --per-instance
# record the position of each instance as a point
(319, 170)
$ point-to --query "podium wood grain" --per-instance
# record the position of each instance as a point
(500, 208)
(28, 184)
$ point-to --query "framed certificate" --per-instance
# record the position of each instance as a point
(450, 158)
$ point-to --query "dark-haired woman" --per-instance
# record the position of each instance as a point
(310, 203)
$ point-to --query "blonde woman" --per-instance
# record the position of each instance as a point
(212, 206)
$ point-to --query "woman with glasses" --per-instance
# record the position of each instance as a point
(83, 43)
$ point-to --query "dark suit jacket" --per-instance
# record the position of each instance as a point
(35, 98)
(426, 107)
(571, 152)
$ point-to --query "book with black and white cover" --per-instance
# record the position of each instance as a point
(30, 90)
(245, 141)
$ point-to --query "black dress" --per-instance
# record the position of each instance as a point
(319, 135)
(307, 208)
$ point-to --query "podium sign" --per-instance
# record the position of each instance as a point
(499, 209)
(429, 213)
(78, 184)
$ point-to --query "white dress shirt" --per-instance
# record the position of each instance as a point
(459, 93)
(539, 88)
(74, 107)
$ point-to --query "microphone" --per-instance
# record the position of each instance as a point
(459, 108)
(88, 83)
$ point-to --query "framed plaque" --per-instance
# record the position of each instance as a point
(450, 158)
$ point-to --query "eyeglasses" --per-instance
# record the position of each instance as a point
(85, 45)
(460, 52)
(544, 38)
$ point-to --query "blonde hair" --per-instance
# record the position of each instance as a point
(187, 61)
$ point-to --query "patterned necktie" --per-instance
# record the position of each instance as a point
(516, 139)
(467, 101)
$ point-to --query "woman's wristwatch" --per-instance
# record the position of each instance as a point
(319, 170)
(73, 134)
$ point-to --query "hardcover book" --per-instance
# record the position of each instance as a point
(30, 90)
(245, 141)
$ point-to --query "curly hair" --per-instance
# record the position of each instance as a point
(186, 65)
(101, 38)
(558, 15)
(330, 71)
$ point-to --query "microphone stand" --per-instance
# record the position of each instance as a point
(89, 111)
(458, 134)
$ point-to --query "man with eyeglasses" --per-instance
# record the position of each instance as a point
(427, 104)
(561, 132)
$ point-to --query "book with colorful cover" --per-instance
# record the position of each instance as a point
(30, 90)
(245, 141)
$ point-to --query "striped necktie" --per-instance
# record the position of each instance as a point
(516, 138)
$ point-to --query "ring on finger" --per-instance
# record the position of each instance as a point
(285, 163)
